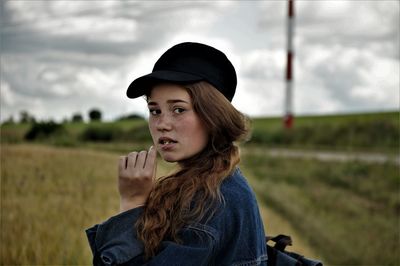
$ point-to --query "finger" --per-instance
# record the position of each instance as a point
(151, 160)
(121, 163)
(141, 159)
(131, 159)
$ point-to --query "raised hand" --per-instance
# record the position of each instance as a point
(136, 174)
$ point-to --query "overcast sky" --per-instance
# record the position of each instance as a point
(63, 57)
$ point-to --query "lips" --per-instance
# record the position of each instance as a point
(166, 141)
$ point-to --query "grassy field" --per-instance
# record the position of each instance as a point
(349, 132)
(352, 132)
(344, 213)
(348, 212)
(50, 195)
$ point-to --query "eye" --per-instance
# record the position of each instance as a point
(154, 111)
(178, 110)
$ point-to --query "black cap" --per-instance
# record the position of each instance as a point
(187, 63)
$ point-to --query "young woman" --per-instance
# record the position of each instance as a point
(205, 213)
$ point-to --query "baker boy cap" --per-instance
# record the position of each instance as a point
(187, 63)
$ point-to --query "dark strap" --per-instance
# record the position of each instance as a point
(281, 241)
(277, 256)
(272, 254)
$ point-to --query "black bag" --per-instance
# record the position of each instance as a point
(277, 256)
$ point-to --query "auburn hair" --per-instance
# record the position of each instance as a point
(192, 193)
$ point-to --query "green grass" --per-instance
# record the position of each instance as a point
(276, 122)
(352, 132)
(377, 132)
(14, 133)
(77, 128)
(349, 212)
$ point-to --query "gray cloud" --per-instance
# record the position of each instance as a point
(358, 24)
(59, 57)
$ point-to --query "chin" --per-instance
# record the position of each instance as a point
(170, 159)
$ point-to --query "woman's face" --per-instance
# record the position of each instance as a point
(177, 131)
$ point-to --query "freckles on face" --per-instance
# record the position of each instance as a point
(177, 131)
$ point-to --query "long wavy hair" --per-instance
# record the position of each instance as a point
(192, 193)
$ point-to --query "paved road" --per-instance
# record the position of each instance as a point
(329, 155)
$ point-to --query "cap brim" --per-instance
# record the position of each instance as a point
(142, 85)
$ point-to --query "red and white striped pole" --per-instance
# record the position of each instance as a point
(288, 120)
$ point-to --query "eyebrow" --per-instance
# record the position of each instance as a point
(169, 101)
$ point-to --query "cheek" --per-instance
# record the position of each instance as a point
(203, 137)
(198, 133)
(152, 129)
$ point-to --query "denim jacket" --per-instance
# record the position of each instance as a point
(234, 235)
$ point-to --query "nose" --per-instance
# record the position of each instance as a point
(164, 123)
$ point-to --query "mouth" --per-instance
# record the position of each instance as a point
(166, 141)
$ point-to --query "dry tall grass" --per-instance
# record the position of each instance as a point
(49, 196)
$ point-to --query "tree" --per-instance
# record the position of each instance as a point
(77, 117)
(26, 117)
(43, 130)
(132, 116)
(95, 115)
(9, 121)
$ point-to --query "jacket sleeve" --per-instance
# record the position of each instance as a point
(115, 242)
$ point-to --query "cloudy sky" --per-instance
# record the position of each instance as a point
(63, 57)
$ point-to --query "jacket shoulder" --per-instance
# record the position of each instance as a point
(235, 189)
